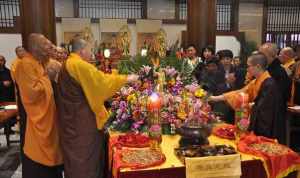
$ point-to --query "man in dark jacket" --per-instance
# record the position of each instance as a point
(281, 78)
(276, 70)
(6, 83)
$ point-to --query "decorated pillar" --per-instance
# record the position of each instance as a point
(201, 23)
(38, 16)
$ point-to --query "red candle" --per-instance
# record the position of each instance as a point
(154, 102)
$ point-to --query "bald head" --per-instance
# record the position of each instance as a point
(286, 54)
(78, 44)
(39, 46)
(82, 48)
(258, 59)
(270, 50)
(20, 52)
(257, 64)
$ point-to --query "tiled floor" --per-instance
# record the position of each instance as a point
(9, 157)
(18, 173)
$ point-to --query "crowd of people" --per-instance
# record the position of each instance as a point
(270, 77)
(61, 104)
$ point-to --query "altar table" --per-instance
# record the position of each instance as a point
(174, 168)
(7, 118)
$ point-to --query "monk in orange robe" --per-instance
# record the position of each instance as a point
(265, 115)
(42, 155)
(81, 92)
(21, 53)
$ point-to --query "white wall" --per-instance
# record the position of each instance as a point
(133, 46)
(59, 34)
(228, 42)
(173, 32)
(8, 43)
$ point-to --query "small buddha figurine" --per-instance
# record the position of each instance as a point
(161, 80)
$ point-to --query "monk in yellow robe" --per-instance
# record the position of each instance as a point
(20, 52)
(42, 155)
(265, 115)
(287, 59)
(295, 91)
(81, 92)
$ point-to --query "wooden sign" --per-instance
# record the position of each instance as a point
(228, 166)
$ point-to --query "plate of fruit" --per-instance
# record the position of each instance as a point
(134, 140)
(226, 131)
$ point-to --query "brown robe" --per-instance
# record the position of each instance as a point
(81, 141)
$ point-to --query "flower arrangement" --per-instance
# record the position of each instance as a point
(178, 103)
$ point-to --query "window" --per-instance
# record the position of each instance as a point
(224, 11)
(182, 9)
(8, 10)
(129, 9)
(282, 22)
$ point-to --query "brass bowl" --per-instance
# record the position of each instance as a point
(196, 132)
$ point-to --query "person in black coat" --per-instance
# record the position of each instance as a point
(276, 70)
(282, 80)
(6, 83)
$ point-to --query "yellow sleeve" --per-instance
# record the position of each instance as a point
(97, 86)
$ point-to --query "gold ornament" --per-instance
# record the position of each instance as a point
(159, 45)
(124, 40)
(87, 35)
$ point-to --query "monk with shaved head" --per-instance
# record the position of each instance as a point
(287, 59)
(81, 92)
(265, 114)
(42, 156)
(279, 74)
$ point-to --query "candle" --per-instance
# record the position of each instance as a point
(144, 52)
(154, 102)
(106, 53)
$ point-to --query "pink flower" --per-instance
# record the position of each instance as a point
(192, 88)
(146, 69)
(244, 123)
(171, 72)
(155, 128)
(177, 99)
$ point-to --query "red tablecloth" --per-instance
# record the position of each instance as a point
(7, 114)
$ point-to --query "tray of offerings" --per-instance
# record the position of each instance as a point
(134, 140)
(226, 131)
(202, 151)
(141, 158)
